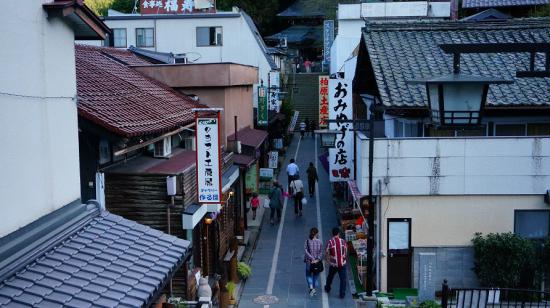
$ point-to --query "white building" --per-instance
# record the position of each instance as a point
(435, 188)
(199, 37)
(351, 19)
(38, 119)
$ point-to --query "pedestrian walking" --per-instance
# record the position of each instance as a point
(313, 257)
(336, 253)
(276, 202)
(254, 204)
(312, 126)
(312, 178)
(292, 170)
(297, 192)
(302, 129)
(307, 65)
(308, 124)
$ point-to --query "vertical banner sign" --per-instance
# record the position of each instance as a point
(273, 159)
(274, 89)
(323, 101)
(209, 184)
(262, 106)
(341, 109)
(328, 38)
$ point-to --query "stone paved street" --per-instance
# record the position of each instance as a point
(288, 277)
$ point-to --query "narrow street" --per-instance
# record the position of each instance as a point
(277, 261)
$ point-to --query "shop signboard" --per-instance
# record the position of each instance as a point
(323, 100)
(209, 188)
(176, 6)
(262, 110)
(274, 90)
(273, 159)
(328, 38)
(341, 108)
(266, 179)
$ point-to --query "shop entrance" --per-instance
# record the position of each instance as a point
(399, 253)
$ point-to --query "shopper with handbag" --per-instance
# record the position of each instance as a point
(276, 201)
(297, 191)
(313, 258)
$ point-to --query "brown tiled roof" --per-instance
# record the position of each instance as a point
(120, 99)
(250, 137)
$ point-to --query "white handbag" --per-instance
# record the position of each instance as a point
(266, 203)
(304, 201)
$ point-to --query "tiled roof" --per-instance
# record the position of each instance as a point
(243, 160)
(249, 137)
(310, 8)
(500, 3)
(404, 51)
(487, 15)
(300, 34)
(110, 262)
(122, 100)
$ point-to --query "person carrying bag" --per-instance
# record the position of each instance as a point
(297, 190)
(313, 257)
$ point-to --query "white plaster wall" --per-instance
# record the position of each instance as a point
(39, 166)
(446, 221)
(458, 166)
(179, 36)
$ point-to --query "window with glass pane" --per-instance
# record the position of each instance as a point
(538, 129)
(510, 130)
(119, 38)
(145, 37)
(532, 224)
(209, 36)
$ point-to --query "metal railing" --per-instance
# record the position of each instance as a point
(493, 298)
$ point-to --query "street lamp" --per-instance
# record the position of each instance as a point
(457, 100)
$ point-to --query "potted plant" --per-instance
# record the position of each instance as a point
(244, 270)
(230, 286)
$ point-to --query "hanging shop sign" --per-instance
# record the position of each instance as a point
(323, 101)
(209, 181)
(341, 109)
(262, 110)
(273, 159)
(251, 179)
(278, 143)
(328, 39)
(266, 180)
(274, 89)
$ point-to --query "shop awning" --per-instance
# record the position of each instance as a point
(192, 215)
(229, 177)
(250, 137)
(243, 160)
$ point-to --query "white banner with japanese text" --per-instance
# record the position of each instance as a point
(273, 159)
(340, 108)
(208, 160)
(274, 102)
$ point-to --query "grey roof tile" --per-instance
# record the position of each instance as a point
(409, 50)
(501, 3)
(49, 304)
(106, 264)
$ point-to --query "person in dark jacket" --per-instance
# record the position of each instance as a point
(276, 201)
(312, 178)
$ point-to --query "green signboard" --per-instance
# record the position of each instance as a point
(262, 106)
(251, 179)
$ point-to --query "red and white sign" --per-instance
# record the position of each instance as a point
(340, 108)
(323, 101)
(209, 180)
(177, 6)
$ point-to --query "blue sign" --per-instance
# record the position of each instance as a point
(328, 38)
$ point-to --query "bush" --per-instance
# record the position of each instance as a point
(545, 258)
(429, 304)
(230, 286)
(244, 270)
(504, 260)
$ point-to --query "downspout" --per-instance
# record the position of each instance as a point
(378, 235)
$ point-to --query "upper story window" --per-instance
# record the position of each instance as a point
(533, 224)
(145, 37)
(119, 38)
(209, 36)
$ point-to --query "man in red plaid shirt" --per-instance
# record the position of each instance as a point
(336, 253)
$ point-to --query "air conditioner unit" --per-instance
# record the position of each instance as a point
(163, 148)
(180, 58)
(189, 143)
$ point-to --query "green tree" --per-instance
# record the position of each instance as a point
(504, 260)
(100, 7)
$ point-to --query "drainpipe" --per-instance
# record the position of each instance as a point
(378, 235)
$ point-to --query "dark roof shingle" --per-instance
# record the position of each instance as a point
(249, 136)
(468, 4)
(90, 268)
(404, 51)
(113, 95)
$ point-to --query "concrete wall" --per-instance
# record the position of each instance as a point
(39, 166)
(451, 221)
(458, 166)
(179, 36)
